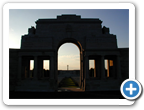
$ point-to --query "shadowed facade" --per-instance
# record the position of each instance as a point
(94, 42)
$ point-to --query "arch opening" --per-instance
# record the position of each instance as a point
(69, 65)
(70, 40)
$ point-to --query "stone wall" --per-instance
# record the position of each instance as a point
(91, 84)
(101, 42)
(103, 85)
(50, 32)
(36, 42)
(124, 59)
(23, 83)
(45, 85)
(13, 68)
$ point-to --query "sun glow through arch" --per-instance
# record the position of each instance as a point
(68, 54)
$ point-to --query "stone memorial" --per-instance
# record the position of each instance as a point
(42, 43)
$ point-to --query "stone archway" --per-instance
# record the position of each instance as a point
(78, 44)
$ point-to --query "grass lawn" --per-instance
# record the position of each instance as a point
(68, 82)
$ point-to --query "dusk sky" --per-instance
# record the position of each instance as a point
(68, 54)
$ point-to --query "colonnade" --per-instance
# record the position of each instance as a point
(38, 66)
(99, 67)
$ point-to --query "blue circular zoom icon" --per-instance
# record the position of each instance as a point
(131, 89)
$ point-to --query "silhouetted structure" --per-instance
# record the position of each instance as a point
(42, 43)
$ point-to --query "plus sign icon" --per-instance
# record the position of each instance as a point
(131, 89)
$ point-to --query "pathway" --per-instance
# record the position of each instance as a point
(69, 85)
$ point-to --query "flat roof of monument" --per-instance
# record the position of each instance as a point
(45, 50)
(69, 19)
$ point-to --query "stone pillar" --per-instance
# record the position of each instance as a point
(98, 68)
(118, 67)
(56, 67)
(82, 71)
(114, 69)
(51, 67)
(19, 67)
(35, 67)
(42, 72)
(95, 68)
(87, 67)
(102, 67)
(108, 69)
(40, 68)
(28, 72)
(55, 71)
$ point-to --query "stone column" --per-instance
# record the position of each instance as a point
(95, 68)
(82, 71)
(118, 67)
(42, 72)
(87, 67)
(102, 67)
(28, 72)
(40, 68)
(35, 67)
(98, 68)
(55, 71)
(108, 69)
(56, 67)
(51, 67)
(19, 67)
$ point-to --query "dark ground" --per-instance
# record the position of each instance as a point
(66, 95)
(67, 90)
